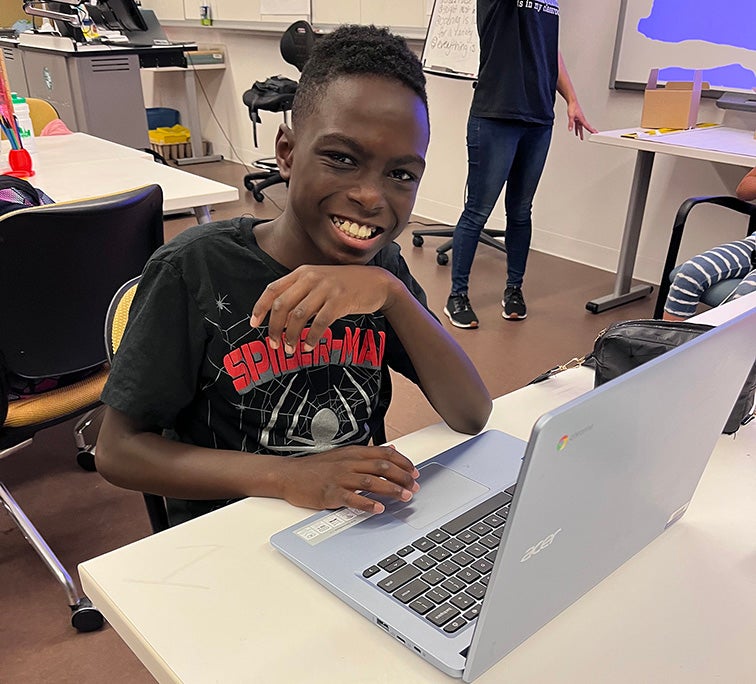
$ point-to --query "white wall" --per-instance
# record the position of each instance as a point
(580, 206)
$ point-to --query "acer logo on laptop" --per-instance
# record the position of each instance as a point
(540, 546)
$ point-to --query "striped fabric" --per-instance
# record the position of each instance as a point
(733, 260)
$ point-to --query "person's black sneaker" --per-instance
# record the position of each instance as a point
(514, 304)
(460, 312)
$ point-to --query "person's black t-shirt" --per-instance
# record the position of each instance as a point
(190, 364)
(519, 60)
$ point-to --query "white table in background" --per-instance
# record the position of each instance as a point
(78, 166)
(716, 144)
(211, 600)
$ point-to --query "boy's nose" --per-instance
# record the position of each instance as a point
(368, 193)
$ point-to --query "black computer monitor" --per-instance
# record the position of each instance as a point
(118, 15)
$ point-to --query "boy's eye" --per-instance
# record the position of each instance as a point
(402, 175)
(340, 158)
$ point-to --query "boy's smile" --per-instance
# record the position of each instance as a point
(354, 164)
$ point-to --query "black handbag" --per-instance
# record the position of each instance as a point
(628, 344)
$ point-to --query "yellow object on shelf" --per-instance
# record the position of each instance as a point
(167, 136)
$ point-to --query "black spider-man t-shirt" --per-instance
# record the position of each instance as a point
(189, 362)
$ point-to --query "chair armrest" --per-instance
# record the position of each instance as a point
(727, 201)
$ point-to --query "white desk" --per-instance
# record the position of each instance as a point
(77, 166)
(717, 144)
(211, 600)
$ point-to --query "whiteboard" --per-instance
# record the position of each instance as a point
(677, 36)
(451, 47)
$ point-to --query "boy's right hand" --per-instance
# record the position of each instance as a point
(334, 478)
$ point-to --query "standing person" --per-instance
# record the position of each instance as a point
(508, 136)
(263, 347)
(735, 259)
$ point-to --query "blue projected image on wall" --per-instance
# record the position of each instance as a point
(726, 24)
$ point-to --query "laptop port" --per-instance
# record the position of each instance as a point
(381, 623)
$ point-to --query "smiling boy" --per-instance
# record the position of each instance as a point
(250, 342)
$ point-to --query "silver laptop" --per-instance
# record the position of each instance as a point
(504, 535)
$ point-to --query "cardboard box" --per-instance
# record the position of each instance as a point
(180, 150)
(674, 106)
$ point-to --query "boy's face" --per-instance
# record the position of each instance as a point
(354, 166)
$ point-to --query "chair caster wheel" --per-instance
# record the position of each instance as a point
(86, 461)
(417, 240)
(442, 259)
(85, 617)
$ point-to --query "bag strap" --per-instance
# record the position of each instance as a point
(20, 185)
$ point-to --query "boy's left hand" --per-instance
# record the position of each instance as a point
(323, 294)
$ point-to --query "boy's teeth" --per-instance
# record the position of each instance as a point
(353, 229)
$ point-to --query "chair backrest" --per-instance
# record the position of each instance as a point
(118, 315)
(60, 265)
(41, 113)
(297, 42)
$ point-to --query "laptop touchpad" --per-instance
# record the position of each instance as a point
(441, 491)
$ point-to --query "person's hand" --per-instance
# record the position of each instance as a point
(331, 479)
(576, 120)
(323, 294)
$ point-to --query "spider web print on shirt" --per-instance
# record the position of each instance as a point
(307, 402)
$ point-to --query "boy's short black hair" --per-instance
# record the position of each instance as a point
(356, 50)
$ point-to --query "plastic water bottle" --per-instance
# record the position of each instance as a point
(25, 126)
(206, 16)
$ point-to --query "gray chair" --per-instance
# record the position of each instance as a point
(59, 267)
(715, 295)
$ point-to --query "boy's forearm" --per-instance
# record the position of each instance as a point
(447, 376)
(148, 462)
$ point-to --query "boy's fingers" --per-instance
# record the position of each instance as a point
(298, 318)
(390, 453)
(323, 317)
(362, 503)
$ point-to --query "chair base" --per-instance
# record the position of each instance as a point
(86, 445)
(84, 617)
(264, 180)
(487, 237)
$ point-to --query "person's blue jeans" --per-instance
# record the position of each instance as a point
(499, 151)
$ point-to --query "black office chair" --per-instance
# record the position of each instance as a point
(715, 295)
(59, 267)
(276, 94)
(487, 237)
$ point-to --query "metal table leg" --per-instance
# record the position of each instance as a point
(202, 213)
(195, 127)
(623, 292)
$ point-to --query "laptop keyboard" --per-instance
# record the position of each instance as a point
(443, 576)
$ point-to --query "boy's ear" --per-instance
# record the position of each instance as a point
(284, 150)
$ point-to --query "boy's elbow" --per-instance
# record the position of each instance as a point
(106, 462)
(472, 422)
(111, 458)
